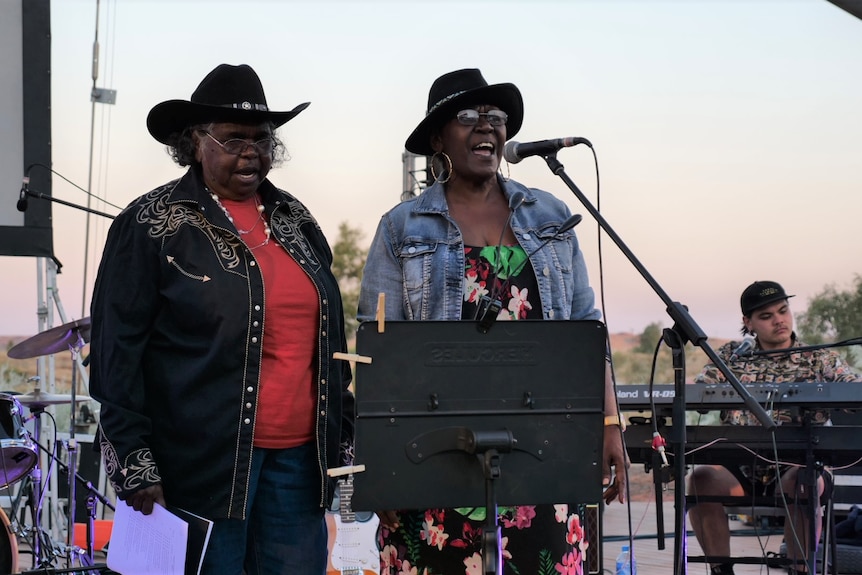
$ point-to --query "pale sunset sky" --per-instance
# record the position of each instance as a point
(728, 132)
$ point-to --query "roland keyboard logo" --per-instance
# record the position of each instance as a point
(623, 393)
(465, 354)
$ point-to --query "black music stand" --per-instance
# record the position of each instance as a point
(447, 416)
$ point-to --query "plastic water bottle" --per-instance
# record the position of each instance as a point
(626, 564)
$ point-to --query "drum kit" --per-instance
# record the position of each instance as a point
(20, 462)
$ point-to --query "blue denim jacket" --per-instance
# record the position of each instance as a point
(417, 259)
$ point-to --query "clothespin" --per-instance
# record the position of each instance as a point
(658, 444)
(381, 312)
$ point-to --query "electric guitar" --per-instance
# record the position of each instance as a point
(352, 536)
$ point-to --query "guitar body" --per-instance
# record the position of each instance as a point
(352, 546)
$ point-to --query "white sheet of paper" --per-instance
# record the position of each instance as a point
(152, 544)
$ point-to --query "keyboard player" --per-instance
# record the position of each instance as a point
(766, 317)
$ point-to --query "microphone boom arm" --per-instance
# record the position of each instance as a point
(691, 331)
(41, 196)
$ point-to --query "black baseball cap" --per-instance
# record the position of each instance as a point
(760, 294)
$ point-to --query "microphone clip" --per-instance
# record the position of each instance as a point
(21, 205)
(487, 312)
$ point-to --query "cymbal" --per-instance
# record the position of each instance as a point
(53, 340)
(41, 399)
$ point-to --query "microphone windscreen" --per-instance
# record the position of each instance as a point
(516, 199)
(743, 349)
(510, 152)
(22, 201)
(570, 223)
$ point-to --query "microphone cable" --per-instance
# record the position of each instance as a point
(67, 180)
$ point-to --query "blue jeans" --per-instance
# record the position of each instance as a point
(285, 531)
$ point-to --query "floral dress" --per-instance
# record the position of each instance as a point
(535, 539)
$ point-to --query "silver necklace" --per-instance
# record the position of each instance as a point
(260, 218)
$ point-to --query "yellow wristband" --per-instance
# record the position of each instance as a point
(615, 420)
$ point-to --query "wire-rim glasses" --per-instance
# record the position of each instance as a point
(236, 146)
(470, 117)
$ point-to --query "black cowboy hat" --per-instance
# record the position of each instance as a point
(451, 92)
(227, 94)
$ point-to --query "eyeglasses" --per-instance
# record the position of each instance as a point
(236, 146)
(470, 117)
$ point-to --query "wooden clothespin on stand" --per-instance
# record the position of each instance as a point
(381, 312)
(381, 326)
(345, 488)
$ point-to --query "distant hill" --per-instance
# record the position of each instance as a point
(629, 341)
(624, 341)
(632, 367)
(15, 372)
(6, 339)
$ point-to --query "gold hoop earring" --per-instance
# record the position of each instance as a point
(448, 170)
(508, 173)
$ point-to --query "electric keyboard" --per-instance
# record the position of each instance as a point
(835, 445)
(699, 396)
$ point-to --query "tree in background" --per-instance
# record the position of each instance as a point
(833, 315)
(649, 338)
(11, 376)
(633, 363)
(635, 366)
(348, 260)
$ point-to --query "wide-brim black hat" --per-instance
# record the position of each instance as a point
(451, 92)
(760, 294)
(227, 94)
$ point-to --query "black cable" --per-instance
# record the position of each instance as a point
(70, 182)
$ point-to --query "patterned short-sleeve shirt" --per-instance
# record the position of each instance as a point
(810, 366)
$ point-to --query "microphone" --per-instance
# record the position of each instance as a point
(568, 224)
(515, 200)
(744, 349)
(22, 195)
(514, 152)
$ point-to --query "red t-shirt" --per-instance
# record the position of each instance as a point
(287, 401)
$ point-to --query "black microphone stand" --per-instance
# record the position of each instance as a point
(93, 495)
(687, 330)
